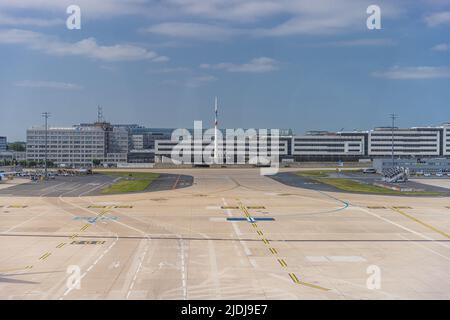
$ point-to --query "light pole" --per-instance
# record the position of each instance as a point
(393, 116)
(46, 115)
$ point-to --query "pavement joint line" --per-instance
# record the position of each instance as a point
(421, 222)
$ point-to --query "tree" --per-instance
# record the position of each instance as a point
(96, 162)
(17, 146)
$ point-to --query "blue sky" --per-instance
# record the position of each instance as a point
(296, 64)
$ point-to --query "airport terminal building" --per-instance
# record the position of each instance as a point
(416, 142)
(80, 145)
(382, 142)
(3, 144)
(253, 149)
(328, 146)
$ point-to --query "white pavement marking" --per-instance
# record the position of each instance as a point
(237, 231)
(137, 270)
(217, 219)
(426, 248)
(214, 270)
(39, 215)
(68, 290)
(90, 190)
(114, 221)
(403, 227)
(253, 263)
(50, 188)
(24, 222)
(183, 269)
(335, 259)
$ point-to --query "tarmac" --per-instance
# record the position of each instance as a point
(231, 234)
(440, 186)
(88, 185)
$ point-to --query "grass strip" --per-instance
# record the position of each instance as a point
(348, 185)
(129, 182)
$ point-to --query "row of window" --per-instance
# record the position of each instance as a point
(388, 134)
(404, 145)
(326, 139)
(405, 140)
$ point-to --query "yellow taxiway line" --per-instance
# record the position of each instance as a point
(421, 222)
(45, 256)
(282, 262)
(274, 252)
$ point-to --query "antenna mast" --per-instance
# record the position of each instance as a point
(216, 123)
(100, 114)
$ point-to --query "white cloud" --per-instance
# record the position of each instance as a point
(218, 19)
(161, 59)
(170, 70)
(8, 20)
(376, 42)
(438, 18)
(414, 73)
(48, 85)
(244, 17)
(191, 30)
(257, 65)
(192, 82)
(103, 8)
(85, 48)
(198, 81)
(235, 10)
(441, 47)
